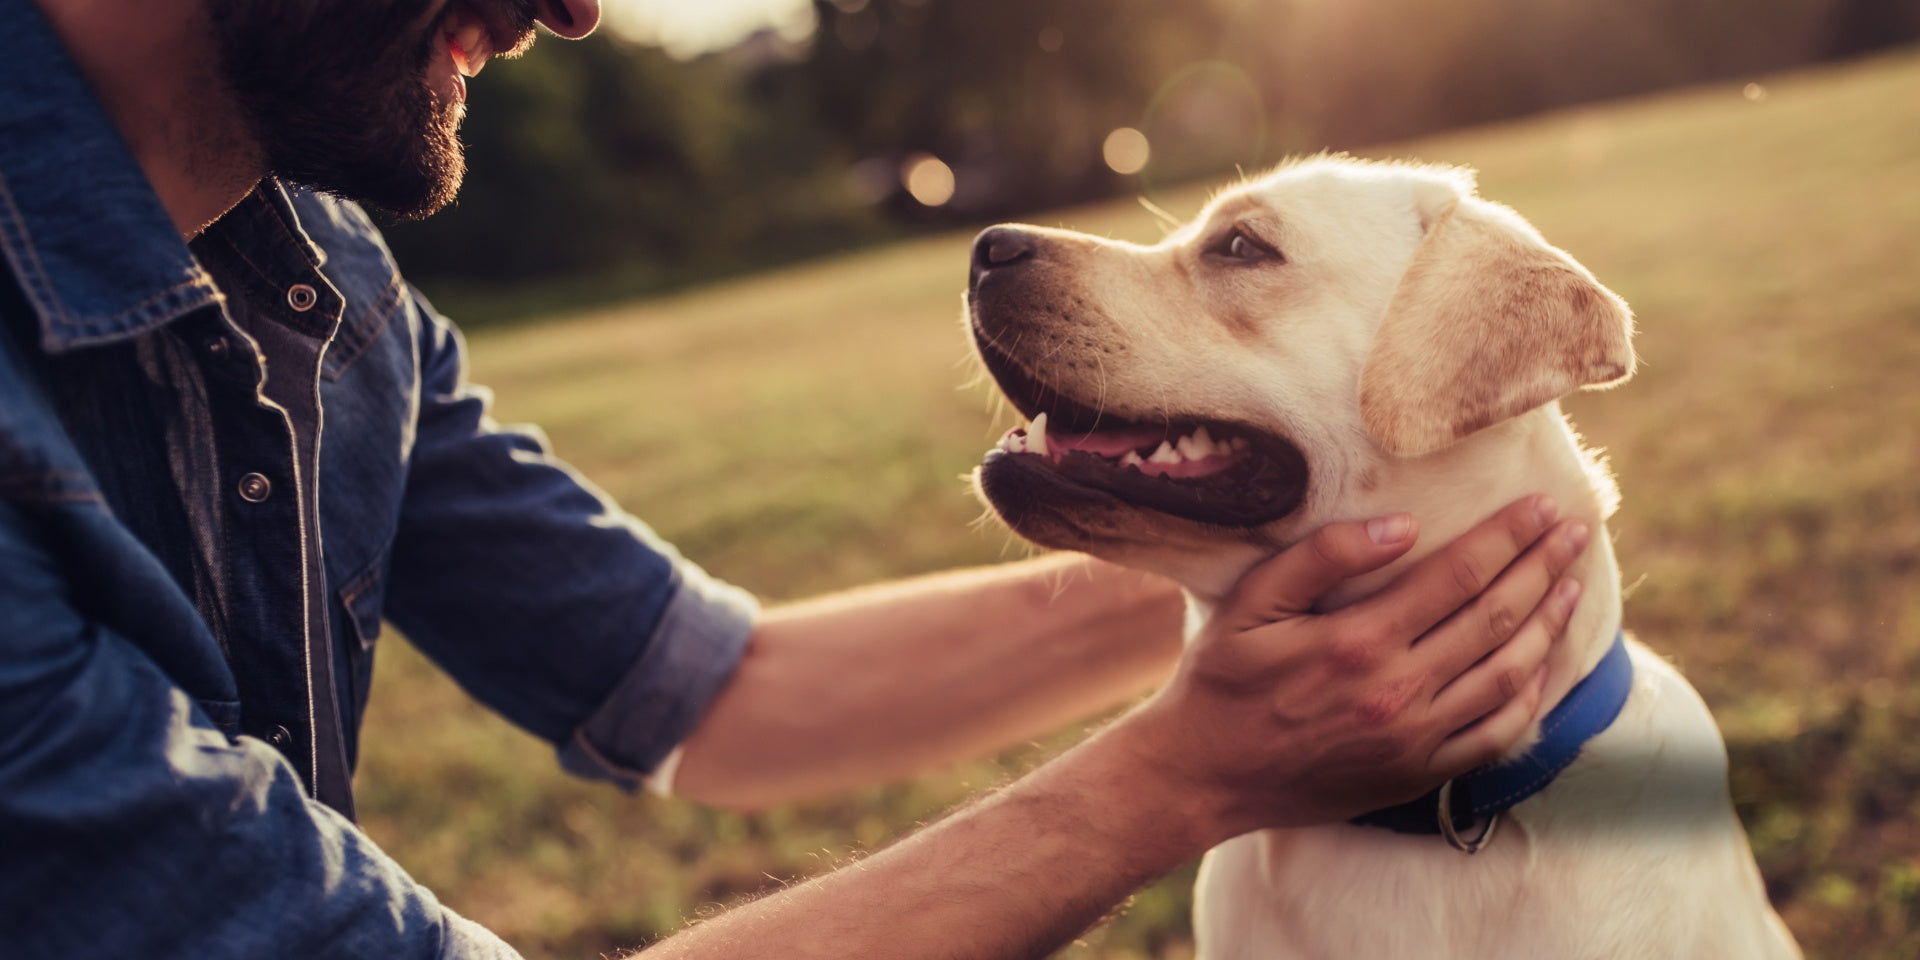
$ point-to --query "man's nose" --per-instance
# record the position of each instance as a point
(571, 19)
(998, 248)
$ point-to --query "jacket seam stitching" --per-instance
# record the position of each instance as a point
(35, 269)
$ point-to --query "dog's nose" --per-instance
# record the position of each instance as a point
(1000, 247)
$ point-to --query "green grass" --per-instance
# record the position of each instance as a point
(805, 429)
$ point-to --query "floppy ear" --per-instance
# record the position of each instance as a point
(1488, 322)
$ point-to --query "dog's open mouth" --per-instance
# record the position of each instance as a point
(1210, 471)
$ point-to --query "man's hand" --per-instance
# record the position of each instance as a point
(1276, 717)
(1281, 717)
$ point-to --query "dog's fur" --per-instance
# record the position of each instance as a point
(1412, 341)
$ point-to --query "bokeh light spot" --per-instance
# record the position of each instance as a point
(1126, 150)
(1052, 39)
(1754, 92)
(927, 179)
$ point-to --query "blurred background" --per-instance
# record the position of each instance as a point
(699, 138)
(717, 252)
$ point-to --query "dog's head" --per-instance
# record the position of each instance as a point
(1201, 402)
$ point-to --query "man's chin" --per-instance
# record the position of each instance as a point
(419, 204)
(393, 198)
(425, 178)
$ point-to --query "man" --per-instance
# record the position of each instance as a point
(232, 440)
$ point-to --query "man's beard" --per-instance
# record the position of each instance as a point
(336, 94)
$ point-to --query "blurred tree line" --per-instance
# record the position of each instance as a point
(611, 166)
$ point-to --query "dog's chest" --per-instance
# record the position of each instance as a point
(1633, 852)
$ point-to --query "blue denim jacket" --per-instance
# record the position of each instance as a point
(221, 466)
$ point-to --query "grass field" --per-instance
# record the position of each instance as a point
(804, 430)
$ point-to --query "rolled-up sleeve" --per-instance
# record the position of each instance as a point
(131, 826)
(544, 599)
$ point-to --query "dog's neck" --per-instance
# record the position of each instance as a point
(1449, 491)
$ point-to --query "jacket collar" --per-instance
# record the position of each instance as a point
(92, 248)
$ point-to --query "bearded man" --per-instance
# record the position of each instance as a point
(233, 440)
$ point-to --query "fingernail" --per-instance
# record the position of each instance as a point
(1389, 529)
(1577, 535)
(1545, 509)
(1567, 593)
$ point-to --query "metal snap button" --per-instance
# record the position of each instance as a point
(255, 488)
(301, 297)
(217, 348)
(279, 738)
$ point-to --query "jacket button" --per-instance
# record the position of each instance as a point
(255, 488)
(301, 297)
(279, 738)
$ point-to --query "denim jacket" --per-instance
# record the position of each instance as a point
(221, 467)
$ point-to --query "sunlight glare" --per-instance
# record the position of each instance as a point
(690, 29)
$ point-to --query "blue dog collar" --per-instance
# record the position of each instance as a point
(1588, 708)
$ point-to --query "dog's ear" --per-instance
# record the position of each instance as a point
(1488, 322)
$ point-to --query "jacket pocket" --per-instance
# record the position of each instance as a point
(362, 598)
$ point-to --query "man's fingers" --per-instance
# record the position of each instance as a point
(1522, 591)
(1289, 583)
(1488, 738)
(1447, 580)
(1500, 677)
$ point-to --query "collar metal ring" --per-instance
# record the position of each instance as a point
(1454, 840)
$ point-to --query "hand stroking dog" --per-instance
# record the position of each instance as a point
(1343, 339)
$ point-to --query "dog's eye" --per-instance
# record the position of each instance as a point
(1242, 246)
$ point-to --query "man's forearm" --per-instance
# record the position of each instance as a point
(1017, 874)
(890, 681)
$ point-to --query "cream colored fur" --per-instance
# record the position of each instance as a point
(1413, 345)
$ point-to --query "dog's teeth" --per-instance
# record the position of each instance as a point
(1037, 435)
(1165, 454)
(1198, 446)
(1132, 459)
(1237, 444)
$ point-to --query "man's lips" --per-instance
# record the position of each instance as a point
(469, 48)
(474, 32)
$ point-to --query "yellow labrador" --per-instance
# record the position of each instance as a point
(1338, 340)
